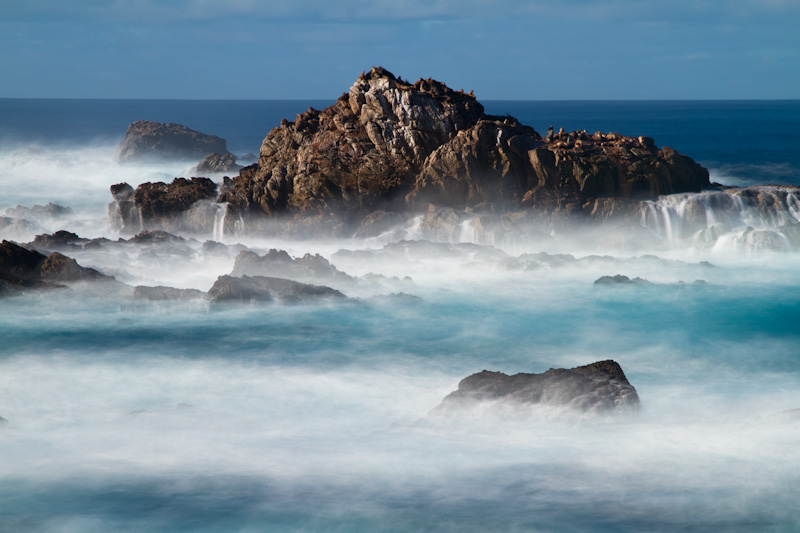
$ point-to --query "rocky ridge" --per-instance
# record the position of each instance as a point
(394, 146)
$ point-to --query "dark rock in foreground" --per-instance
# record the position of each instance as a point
(160, 293)
(596, 388)
(22, 269)
(265, 289)
(146, 140)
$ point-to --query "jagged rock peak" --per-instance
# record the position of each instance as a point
(379, 94)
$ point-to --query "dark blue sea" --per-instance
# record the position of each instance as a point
(183, 416)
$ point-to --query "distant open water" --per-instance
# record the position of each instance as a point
(749, 141)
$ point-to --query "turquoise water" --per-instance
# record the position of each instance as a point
(187, 416)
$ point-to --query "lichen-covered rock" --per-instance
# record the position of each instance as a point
(147, 140)
(593, 389)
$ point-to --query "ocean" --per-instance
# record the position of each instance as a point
(183, 416)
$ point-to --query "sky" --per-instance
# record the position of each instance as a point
(315, 49)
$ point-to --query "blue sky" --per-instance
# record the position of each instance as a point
(503, 49)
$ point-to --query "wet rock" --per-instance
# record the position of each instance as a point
(122, 212)
(60, 268)
(160, 293)
(596, 388)
(146, 140)
(168, 206)
(60, 240)
(266, 289)
(279, 264)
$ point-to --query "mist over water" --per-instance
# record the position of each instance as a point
(126, 415)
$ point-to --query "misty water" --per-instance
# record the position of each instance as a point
(189, 416)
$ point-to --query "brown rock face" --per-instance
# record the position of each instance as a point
(146, 140)
(366, 149)
(388, 145)
(174, 206)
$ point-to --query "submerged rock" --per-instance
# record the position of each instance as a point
(147, 140)
(597, 388)
(266, 289)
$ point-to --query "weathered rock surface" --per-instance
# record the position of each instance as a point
(146, 140)
(183, 205)
(279, 264)
(388, 145)
(594, 389)
(161, 293)
(218, 164)
(50, 210)
(364, 151)
(266, 289)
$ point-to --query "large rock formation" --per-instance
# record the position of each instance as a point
(596, 388)
(146, 140)
(390, 145)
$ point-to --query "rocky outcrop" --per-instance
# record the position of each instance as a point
(122, 212)
(593, 389)
(22, 269)
(279, 264)
(217, 164)
(50, 210)
(60, 268)
(391, 146)
(183, 205)
(266, 289)
(364, 151)
(146, 140)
